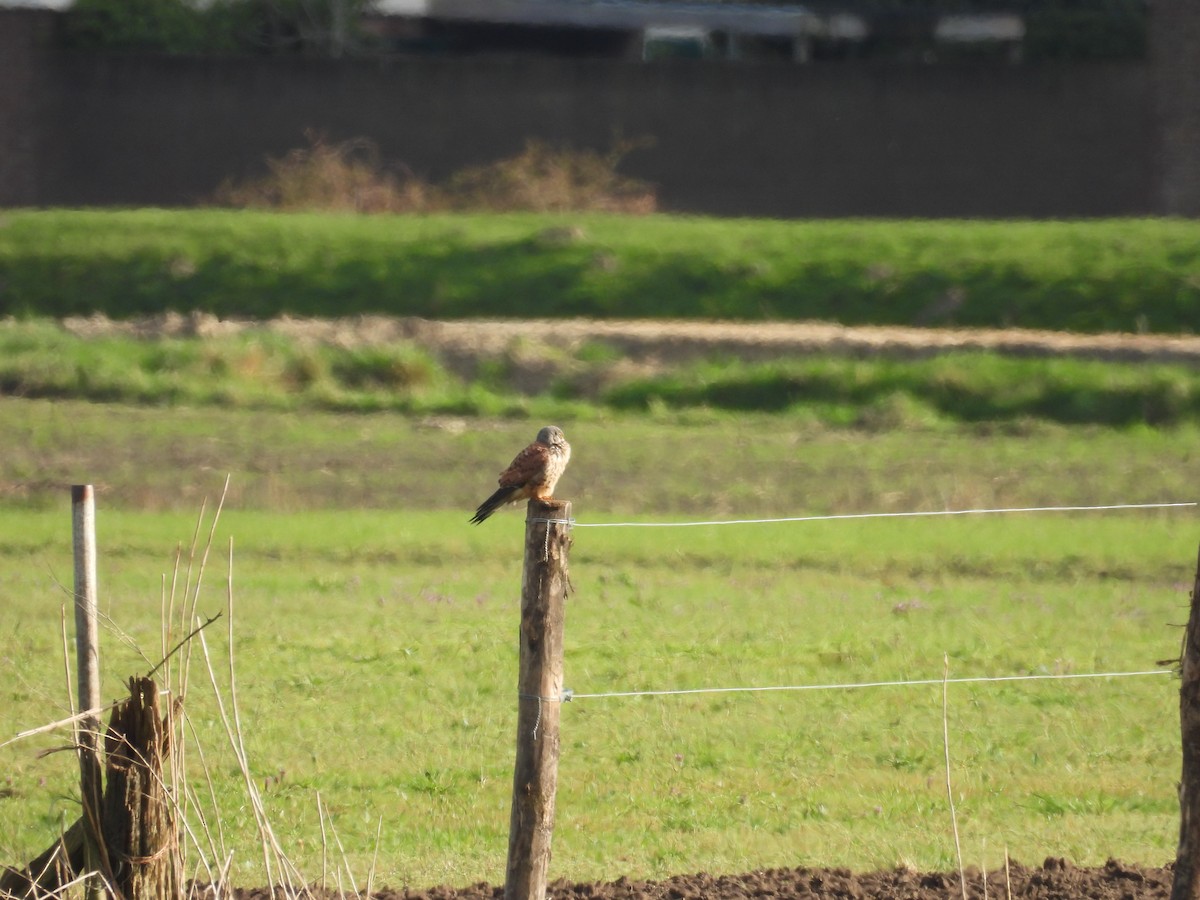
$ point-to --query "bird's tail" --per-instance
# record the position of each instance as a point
(493, 503)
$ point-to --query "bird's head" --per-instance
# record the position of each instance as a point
(551, 435)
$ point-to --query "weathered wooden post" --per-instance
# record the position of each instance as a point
(544, 586)
(1186, 883)
(87, 656)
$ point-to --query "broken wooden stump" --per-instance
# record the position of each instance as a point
(140, 853)
(138, 819)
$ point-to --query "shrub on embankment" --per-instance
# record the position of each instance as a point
(1125, 275)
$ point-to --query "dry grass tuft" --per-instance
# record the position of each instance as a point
(344, 177)
(544, 178)
(350, 177)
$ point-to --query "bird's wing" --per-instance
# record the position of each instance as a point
(528, 466)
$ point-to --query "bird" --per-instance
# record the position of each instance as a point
(532, 474)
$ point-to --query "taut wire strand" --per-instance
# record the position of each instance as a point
(977, 679)
(888, 515)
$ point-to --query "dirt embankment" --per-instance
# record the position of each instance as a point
(1053, 880)
(665, 342)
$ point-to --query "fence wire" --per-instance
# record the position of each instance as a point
(569, 695)
(887, 515)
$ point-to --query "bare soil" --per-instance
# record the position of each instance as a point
(1055, 879)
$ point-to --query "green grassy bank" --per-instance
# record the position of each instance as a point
(1094, 276)
(259, 369)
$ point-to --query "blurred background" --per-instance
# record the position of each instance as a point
(899, 108)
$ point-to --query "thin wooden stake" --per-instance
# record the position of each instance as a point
(544, 585)
(1185, 884)
(87, 654)
(962, 877)
(324, 844)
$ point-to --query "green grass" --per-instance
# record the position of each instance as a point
(374, 635)
(956, 387)
(261, 369)
(622, 465)
(1085, 276)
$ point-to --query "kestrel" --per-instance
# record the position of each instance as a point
(532, 474)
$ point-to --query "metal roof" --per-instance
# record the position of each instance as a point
(617, 14)
(35, 4)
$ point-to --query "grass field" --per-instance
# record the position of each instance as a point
(1124, 275)
(375, 635)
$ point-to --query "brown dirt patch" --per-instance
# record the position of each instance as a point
(1055, 879)
(666, 341)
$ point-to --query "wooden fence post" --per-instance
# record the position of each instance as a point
(544, 585)
(87, 656)
(1186, 883)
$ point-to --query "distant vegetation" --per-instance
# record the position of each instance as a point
(1094, 276)
(223, 27)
